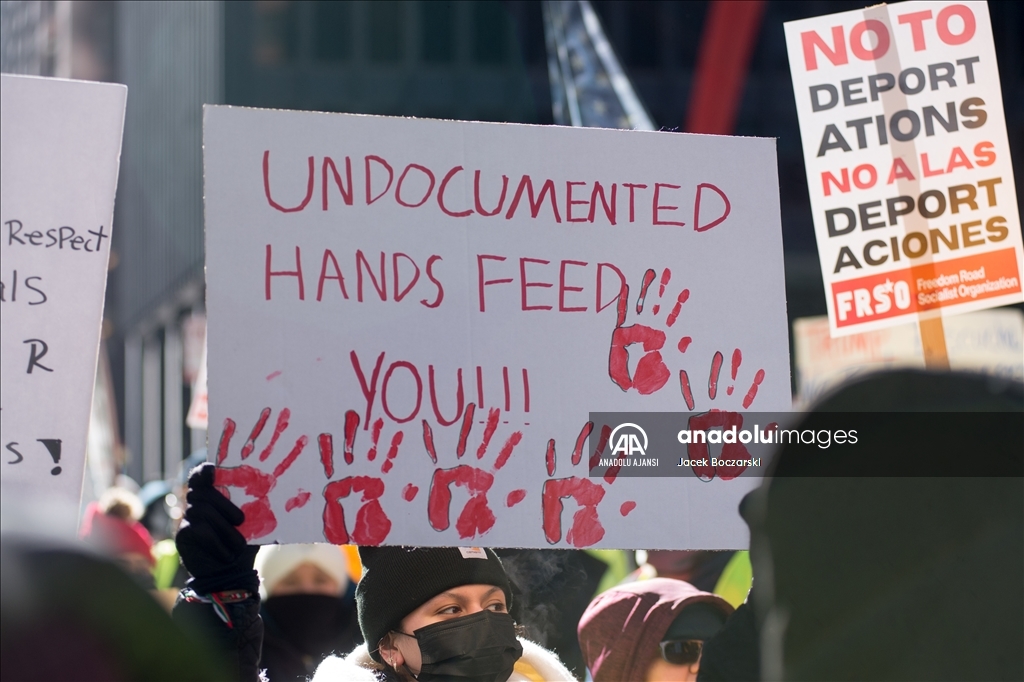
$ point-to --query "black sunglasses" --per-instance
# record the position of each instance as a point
(681, 652)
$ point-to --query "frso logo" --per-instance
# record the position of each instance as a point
(626, 439)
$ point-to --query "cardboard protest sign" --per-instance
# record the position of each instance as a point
(908, 164)
(410, 321)
(60, 150)
(987, 341)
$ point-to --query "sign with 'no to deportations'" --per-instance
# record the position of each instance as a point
(908, 164)
(60, 151)
(411, 320)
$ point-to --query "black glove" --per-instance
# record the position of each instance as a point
(209, 544)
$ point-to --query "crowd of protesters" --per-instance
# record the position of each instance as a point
(852, 578)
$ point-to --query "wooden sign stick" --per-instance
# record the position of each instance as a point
(933, 341)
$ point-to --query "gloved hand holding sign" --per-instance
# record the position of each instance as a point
(211, 548)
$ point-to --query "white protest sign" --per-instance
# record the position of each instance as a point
(908, 164)
(410, 320)
(987, 341)
(60, 150)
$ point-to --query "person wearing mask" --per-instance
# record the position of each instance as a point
(438, 613)
(651, 630)
(426, 613)
(308, 608)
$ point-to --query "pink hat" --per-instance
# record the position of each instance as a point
(114, 535)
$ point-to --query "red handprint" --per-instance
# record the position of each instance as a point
(719, 418)
(586, 529)
(476, 517)
(651, 373)
(372, 523)
(706, 422)
(716, 368)
(259, 516)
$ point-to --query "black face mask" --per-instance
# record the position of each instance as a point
(480, 647)
(311, 622)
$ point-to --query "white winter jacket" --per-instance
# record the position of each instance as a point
(537, 665)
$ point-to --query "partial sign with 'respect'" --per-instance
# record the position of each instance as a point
(411, 320)
(908, 164)
(60, 151)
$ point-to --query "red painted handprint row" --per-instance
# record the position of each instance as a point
(371, 524)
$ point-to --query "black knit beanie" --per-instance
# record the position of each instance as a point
(398, 580)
